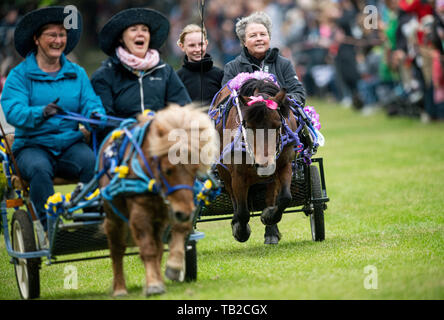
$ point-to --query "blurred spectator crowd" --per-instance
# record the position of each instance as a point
(365, 54)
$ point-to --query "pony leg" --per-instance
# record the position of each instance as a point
(278, 197)
(116, 233)
(148, 237)
(175, 263)
(239, 224)
(272, 234)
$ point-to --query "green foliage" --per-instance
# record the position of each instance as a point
(385, 179)
(45, 3)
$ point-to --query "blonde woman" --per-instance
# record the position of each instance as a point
(201, 78)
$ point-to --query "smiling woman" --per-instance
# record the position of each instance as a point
(50, 41)
(198, 71)
(44, 84)
(254, 33)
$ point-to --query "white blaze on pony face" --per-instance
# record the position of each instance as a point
(136, 39)
(264, 142)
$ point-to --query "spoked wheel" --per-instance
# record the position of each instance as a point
(191, 261)
(26, 270)
(317, 215)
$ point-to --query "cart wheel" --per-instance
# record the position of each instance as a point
(26, 270)
(317, 216)
(191, 261)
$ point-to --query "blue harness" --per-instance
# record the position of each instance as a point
(124, 153)
(116, 165)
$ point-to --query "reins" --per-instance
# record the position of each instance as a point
(287, 135)
(116, 165)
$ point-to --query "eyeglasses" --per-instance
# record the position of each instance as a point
(53, 35)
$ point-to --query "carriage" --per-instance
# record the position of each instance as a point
(72, 231)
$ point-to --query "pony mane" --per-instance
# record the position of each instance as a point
(197, 126)
(252, 86)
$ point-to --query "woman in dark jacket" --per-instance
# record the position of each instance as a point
(254, 34)
(134, 78)
(201, 78)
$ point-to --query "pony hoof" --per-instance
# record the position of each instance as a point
(174, 274)
(120, 293)
(271, 240)
(239, 233)
(155, 290)
(269, 216)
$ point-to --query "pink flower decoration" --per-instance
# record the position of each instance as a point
(314, 116)
(237, 82)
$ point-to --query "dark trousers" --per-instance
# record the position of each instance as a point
(39, 167)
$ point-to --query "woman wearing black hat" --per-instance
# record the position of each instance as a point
(134, 78)
(44, 84)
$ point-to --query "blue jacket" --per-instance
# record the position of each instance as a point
(125, 94)
(28, 90)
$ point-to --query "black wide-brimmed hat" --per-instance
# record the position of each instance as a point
(31, 23)
(157, 23)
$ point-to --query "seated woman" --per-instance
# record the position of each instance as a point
(134, 78)
(44, 84)
(198, 71)
(254, 33)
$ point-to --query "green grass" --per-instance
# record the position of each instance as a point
(385, 181)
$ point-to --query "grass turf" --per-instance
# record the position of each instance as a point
(385, 181)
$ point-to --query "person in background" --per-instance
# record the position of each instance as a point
(201, 78)
(46, 83)
(254, 34)
(134, 78)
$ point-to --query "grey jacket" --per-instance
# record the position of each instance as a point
(273, 63)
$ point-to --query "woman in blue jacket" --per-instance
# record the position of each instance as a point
(134, 78)
(44, 84)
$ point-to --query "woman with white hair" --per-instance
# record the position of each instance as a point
(254, 33)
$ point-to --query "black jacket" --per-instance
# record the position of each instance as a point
(190, 74)
(273, 63)
(124, 94)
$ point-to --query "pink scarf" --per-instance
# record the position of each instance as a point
(151, 59)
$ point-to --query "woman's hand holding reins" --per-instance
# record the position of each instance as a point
(52, 109)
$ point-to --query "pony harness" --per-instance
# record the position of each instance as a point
(307, 117)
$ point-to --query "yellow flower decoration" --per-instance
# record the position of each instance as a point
(151, 185)
(93, 195)
(116, 134)
(122, 170)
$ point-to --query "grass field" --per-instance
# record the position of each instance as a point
(384, 229)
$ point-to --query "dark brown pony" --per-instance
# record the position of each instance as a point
(260, 163)
(148, 214)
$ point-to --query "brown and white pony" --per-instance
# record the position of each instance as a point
(149, 214)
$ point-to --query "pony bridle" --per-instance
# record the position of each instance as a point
(169, 189)
(248, 148)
